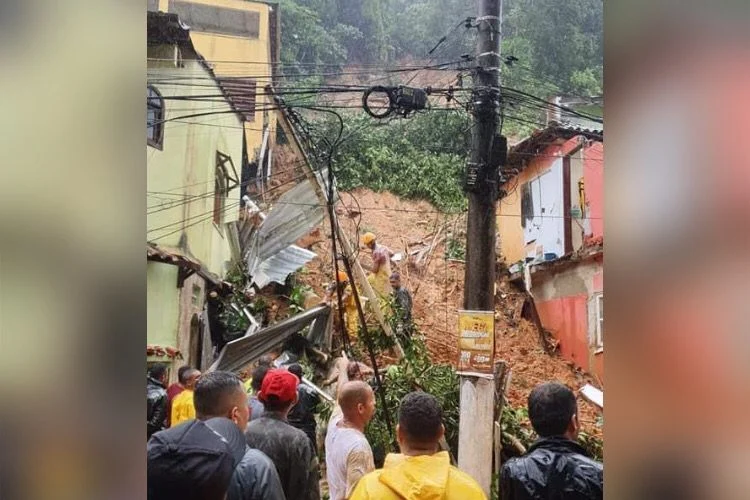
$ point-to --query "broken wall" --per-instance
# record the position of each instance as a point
(567, 302)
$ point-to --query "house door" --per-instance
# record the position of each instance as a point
(196, 342)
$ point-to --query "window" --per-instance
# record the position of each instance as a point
(599, 321)
(226, 180)
(154, 118)
(220, 197)
(527, 205)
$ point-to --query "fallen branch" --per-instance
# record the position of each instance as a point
(515, 442)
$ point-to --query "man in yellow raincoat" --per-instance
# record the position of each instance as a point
(421, 471)
(381, 266)
(183, 408)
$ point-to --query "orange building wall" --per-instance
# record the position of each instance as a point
(567, 319)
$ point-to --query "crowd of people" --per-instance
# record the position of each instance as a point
(223, 451)
(222, 436)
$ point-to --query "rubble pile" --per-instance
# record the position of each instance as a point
(417, 230)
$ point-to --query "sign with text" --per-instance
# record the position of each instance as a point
(476, 341)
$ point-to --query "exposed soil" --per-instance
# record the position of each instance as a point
(437, 288)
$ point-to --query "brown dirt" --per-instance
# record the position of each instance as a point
(437, 289)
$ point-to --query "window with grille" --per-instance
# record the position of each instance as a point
(154, 118)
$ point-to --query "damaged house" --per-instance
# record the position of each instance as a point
(551, 228)
(209, 156)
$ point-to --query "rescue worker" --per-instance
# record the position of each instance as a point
(351, 315)
(402, 303)
(421, 471)
(381, 265)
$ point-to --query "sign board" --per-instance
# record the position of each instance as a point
(476, 341)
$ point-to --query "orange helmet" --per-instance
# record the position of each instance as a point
(368, 238)
(342, 277)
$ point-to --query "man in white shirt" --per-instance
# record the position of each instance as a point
(348, 454)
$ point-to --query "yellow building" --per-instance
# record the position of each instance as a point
(240, 40)
(195, 154)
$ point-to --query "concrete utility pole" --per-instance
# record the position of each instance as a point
(477, 392)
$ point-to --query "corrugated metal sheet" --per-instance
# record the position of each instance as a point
(279, 266)
(271, 255)
(294, 214)
(240, 352)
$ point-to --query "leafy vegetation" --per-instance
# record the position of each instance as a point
(455, 249)
(415, 372)
(419, 158)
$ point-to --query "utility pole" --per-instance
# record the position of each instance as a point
(478, 392)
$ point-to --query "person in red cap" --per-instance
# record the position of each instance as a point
(288, 448)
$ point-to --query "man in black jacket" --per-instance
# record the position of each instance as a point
(156, 398)
(221, 402)
(556, 467)
(302, 415)
(287, 447)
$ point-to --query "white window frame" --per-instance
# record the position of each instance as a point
(599, 329)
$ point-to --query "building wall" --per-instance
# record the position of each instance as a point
(579, 226)
(180, 184)
(241, 56)
(162, 305)
(180, 177)
(593, 173)
(567, 307)
(510, 231)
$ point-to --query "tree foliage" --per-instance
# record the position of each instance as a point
(419, 158)
(557, 44)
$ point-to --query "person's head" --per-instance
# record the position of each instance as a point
(553, 411)
(265, 360)
(420, 424)
(342, 278)
(278, 393)
(189, 462)
(158, 371)
(353, 371)
(221, 394)
(296, 369)
(357, 402)
(369, 240)
(182, 374)
(258, 375)
(395, 281)
(191, 378)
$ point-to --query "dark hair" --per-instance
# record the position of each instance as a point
(551, 406)
(273, 404)
(265, 360)
(183, 374)
(212, 393)
(258, 375)
(420, 417)
(157, 370)
(296, 369)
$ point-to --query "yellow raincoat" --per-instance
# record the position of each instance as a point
(425, 477)
(351, 314)
(183, 408)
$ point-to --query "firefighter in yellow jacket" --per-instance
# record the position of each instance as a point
(421, 471)
(351, 315)
(381, 266)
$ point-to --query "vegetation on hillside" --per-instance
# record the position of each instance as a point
(556, 46)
